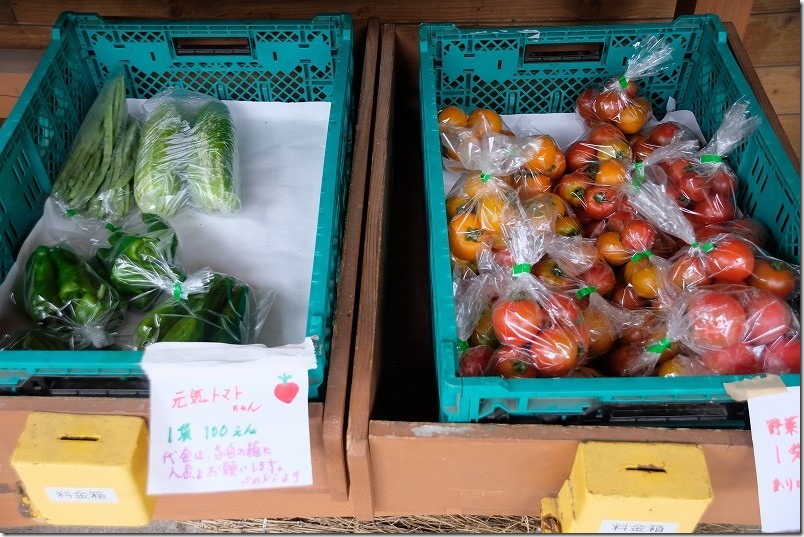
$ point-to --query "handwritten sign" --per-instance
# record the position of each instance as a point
(776, 433)
(228, 417)
(633, 526)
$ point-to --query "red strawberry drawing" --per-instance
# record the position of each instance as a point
(286, 391)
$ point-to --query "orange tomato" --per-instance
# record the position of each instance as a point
(530, 185)
(688, 270)
(452, 116)
(631, 119)
(455, 205)
(466, 236)
(543, 156)
(611, 172)
(485, 120)
(549, 202)
(614, 149)
(611, 248)
(474, 187)
(647, 281)
(568, 226)
(601, 331)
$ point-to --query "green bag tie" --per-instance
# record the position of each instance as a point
(639, 176)
(70, 213)
(177, 290)
(113, 228)
(660, 347)
(521, 268)
(462, 345)
(706, 247)
(641, 255)
(584, 292)
(623, 81)
(485, 177)
(711, 158)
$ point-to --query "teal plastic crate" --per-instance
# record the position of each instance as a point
(287, 61)
(507, 70)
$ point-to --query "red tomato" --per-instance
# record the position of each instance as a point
(737, 359)
(503, 258)
(782, 356)
(512, 362)
(602, 134)
(689, 271)
(474, 361)
(617, 221)
(723, 183)
(572, 188)
(676, 169)
(663, 134)
(601, 202)
(642, 149)
(775, 277)
(555, 352)
(731, 260)
(716, 320)
(627, 297)
(585, 104)
(681, 200)
(516, 322)
(601, 277)
(713, 209)
(638, 235)
(579, 155)
(562, 308)
(767, 318)
(692, 186)
(627, 361)
(608, 105)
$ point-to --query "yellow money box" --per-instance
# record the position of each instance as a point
(85, 469)
(622, 487)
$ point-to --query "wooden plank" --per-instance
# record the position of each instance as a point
(506, 469)
(791, 123)
(6, 13)
(16, 67)
(775, 6)
(410, 11)
(335, 413)
(23, 36)
(783, 86)
(751, 75)
(735, 11)
(367, 340)
(774, 39)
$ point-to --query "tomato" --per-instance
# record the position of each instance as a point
(474, 186)
(568, 226)
(692, 186)
(608, 105)
(466, 236)
(605, 133)
(767, 318)
(663, 134)
(548, 271)
(773, 276)
(512, 362)
(489, 212)
(601, 202)
(452, 116)
(630, 89)
(723, 183)
(666, 245)
(626, 297)
(614, 149)
(483, 333)
(716, 320)
(551, 201)
(713, 209)
(611, 172)
(682, 366)
(617, 221)
(572, 188)
(645, 278)
(688, 271)
(562, 308)
(456, 205)
(676, 169)
(541, 152)
(554, 352)
(638, 235)
(642, 149)
(632, 118)
(487, 121)
(680, 199)
(731, 260)
(579, 155)
(517, 322)
(601, 331)
(503, 258)
(474, 361)
(601, 277)
(782, 356)
(531, 185)
(735, 359)
(628, 361)
(611, 248)
(585, 104)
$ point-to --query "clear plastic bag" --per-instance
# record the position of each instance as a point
(464, 135)
(618, 101)
(188, 151)
(227, 311)
(605, 321)
(476, 338)
(95, 179)
(61, 291)
(43, 339)
(643, 144)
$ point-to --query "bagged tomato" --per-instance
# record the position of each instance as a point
(683, 366)
(661, 135)
(462, 134)
(601, 142)
(605, 321)
(733, 329)
(617, 101)
(746, 228)
(473, 296)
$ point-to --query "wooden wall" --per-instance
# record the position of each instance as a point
(771, 34)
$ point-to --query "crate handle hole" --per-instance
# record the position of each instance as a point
(217, 46)
(647, 468)
(80, 438)
(564, 52)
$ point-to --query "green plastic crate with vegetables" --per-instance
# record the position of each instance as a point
(278, 62)
(518, 74)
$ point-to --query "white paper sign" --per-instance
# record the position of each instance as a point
(776, 433)
(81, 495)
(228, 417)
(637, 526)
